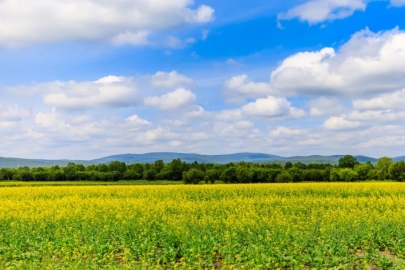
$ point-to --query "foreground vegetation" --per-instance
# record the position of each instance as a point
(279, 226)
(348, 170)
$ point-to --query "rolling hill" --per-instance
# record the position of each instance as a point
(188, 157)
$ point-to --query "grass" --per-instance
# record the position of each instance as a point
(276, 226)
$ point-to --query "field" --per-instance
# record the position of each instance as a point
(279, 226)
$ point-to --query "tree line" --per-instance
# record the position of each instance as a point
(348, 169)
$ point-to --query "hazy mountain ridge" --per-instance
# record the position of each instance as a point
(188, 157)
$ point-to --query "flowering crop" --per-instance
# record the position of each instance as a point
(285, 226)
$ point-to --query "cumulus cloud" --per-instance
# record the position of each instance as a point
(239, 88)
(177, 43)
(135, 119)
(395, 100)
(340, 123)
(23, 23)
(325, 106)
(169, 80)
(179, 98)
(131, 38)
(110, 91)
(366, 65)
(316, 11)
(398, 3)
(11, 113)
(272, 107)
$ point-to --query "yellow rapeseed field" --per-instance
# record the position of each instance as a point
(284, 226)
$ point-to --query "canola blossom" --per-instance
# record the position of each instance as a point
(264, 226)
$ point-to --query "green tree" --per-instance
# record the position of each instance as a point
(177, 168)
(244, 174)
(348, 175)
(70, 171)
(288, 165)
(284, 177)
(58, 175)
(193, 176)
(103, 168)
(334, 175)
(149, 175)
(229, 175)
(383, 165)
(23, 176)
(397, 171)
(295, 174)
(117, 166)
(131, 175)
(159, 165)
(363, 170)
(347, 161)
(211, 176)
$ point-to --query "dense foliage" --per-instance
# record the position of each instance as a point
(289, 226)
(347, 170)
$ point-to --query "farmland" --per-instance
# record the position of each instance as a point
(261, 226)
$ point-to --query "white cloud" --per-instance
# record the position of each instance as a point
(203, 14)
(179, 98)
(340, 123)
(395, 100)
(204, 34)
(325, 106)
(131, 38)
(110, 91)
(169, 80)
(316, 11)
(135, 119)
(272, 107)
(286, 132)
(177, 43)
(232, 62)
(46, 119)
(366, 65)
(38, 21)
(13, 113)
(240, 87)
(378, 117)
(398, 3)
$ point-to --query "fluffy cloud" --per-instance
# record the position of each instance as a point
(398, 3)
(179, 98)
(340, 123)
(315, 11)
(325, 106)
(395, 100)
(176, 43)
(169, 80)
(135, 119)
(240, 87)
(366, 65)
(131, 38)
(13, 113)
(23, 23)
(272, 107)
(110, 91)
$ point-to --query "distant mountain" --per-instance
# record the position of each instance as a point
(325, 159)
(19, 162)
(402, 158)
(188, 157)
(167, 157)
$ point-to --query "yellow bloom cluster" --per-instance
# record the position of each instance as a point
(297, 226)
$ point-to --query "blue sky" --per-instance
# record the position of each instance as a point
(85, 79)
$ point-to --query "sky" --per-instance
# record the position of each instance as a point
(83, 79)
